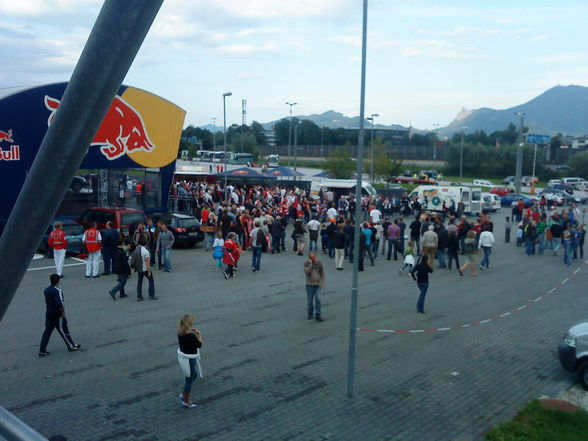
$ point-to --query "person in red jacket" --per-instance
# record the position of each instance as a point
(58, 243)
(232, 254)
(93, 242)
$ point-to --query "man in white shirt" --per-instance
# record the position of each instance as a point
(313, 230)
(485, 242)
(332, 212)
(375, 215)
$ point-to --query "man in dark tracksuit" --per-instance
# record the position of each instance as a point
(55, 317)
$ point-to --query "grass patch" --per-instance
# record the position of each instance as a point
(534, 423)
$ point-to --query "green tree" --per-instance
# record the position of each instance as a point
(579, 163)
(249, 143)
(340, 164)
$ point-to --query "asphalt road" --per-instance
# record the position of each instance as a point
(485, 346)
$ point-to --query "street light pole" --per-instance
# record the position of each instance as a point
(520, 144)
(371, 119)
(296, 146)
(290, 132)
(214, 134)
(461, 157)
(436, 125)
(225, 95)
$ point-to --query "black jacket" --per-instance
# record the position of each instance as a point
(339, 239)
(120, 262)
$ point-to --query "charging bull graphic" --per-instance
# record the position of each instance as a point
(6, 136)
(122, 131)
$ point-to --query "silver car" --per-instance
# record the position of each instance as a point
(573, 351)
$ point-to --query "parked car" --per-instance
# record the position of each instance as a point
(508, 180)
(123, 219)
(562, 195)
(573, 351)
(577, 183)
(565, 187)
(528, 180)
(490, 203)
(553, 182)
(73, 232)
(483, 183)
(500, 190)
(185, 228)
(508, 199)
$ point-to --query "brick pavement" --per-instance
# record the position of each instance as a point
(272, 375)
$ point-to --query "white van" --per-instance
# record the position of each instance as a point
(483, 183)
(553, 182)
(339, 186)
(490, 202)
(433, 196)
(578, 183)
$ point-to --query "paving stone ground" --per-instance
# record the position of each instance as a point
(270, 374)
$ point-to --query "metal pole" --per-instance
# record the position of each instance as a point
(296, 146)
(242, 121)
(436, 125)
(372, 152)
(13, 429)
(114, 42)
(214, 134)
(519, 146)
(225, 95)
(358, 183)
(290, 132)
(461, 158)
(533, 175)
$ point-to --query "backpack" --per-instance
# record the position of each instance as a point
(136, 260)
(261, 239)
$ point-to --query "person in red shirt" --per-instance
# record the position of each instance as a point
(58, 243)
(232, 254)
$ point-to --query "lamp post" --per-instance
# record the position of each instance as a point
(371, 119)
(520, 145)
(213, 134)
(225, 95)
(436, 125)
(461, 155)
(290, 131)
(296, 146)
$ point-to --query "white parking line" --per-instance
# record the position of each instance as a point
(551, 290)
(564, 281)
(53, 267)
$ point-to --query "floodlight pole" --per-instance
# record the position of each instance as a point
(358, 184)
(225, 95)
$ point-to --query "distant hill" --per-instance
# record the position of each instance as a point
(560, 109)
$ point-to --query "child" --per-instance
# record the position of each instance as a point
(217, 253)
(408, 259)
(232, 252)
(520, 235)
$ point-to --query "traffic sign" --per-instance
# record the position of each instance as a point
(538, 139)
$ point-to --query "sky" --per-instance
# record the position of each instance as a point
(426, 59)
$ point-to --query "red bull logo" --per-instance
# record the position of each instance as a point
(122, 131)
(9, 155)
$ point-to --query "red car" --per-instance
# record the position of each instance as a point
(500, 190)
(122, 218)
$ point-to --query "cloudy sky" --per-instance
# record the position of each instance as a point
(427, 59)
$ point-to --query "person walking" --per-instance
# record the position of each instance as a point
(470, 250)
(257, 239)
(453, 249)
(276, 234)
(313, 232)
(485, 243)
(189, 340)
(315, 280)
(368, 233)
(165, 241)
(217, 253)
(58, 243)
(429, 243)
(109, 244)
(92, 240)
(339, 244)
(420, 274)
(393, 236)
(141, 262)
(55, 317)
(232, 252)
(120, 267)
(299, 232)
(408, 259)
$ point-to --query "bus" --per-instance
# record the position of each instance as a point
(273, 160)
(240, 158)
(201, 155)
(218, 156)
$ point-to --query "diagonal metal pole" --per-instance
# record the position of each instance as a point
(354, 283)
(112, 46)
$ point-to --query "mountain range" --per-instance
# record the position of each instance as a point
(561, 109)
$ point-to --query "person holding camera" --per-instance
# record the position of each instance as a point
(190, 340)
(315, 280)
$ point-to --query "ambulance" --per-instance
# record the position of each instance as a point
(432, 197)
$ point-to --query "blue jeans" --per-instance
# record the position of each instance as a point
(568, 251)
(375, 246)
(209, 241)
(165, 253)
(421, 302)
(256, 261)
(313, 292)
(192, 377)
(486, 259)
(313, 245)
(441, 258)
(120, 286)
(542, 243)
(107, 258)
(529, 246)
